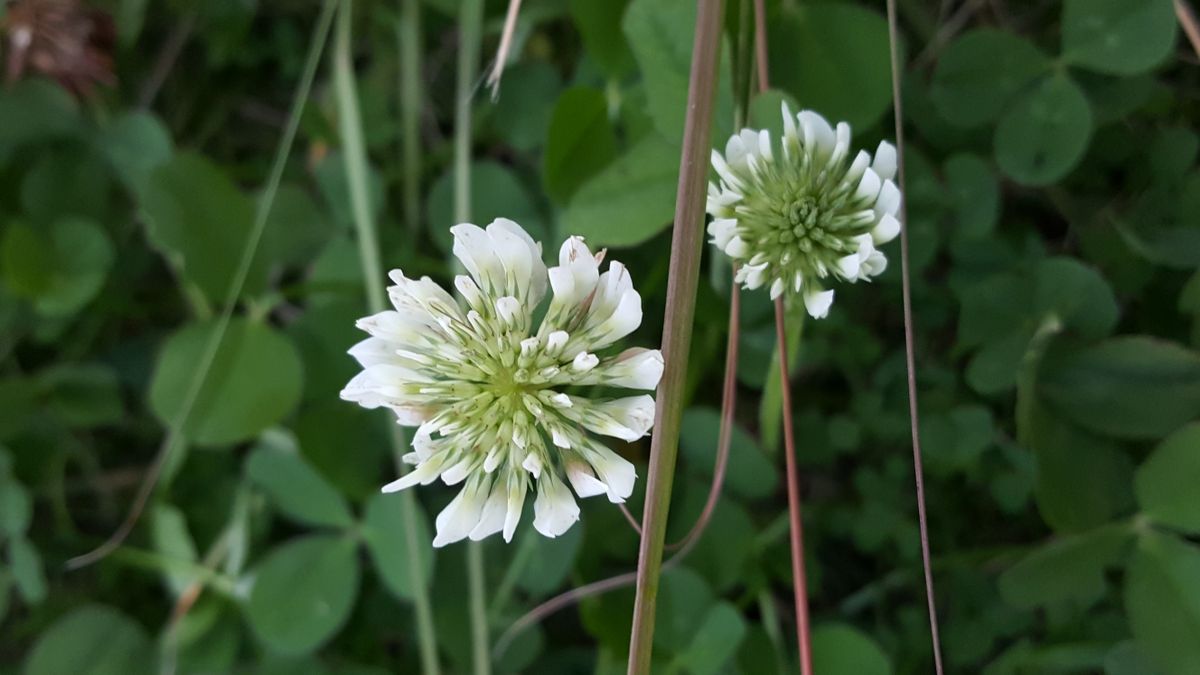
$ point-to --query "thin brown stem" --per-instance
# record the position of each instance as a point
(909, 350)
(631, 519)
(682, 280)
(760, 44)
(506, 37)
(1187, 21)
(799, 579)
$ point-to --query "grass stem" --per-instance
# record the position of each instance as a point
(408, 35)
(683, 277)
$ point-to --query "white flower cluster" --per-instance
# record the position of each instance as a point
(802, 211)
(485, 390)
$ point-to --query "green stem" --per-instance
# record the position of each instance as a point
(354, 149)
(408, 34)
(470, 34)
(683, 276)
(504, 591)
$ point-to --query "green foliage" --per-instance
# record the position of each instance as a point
(1052, 191)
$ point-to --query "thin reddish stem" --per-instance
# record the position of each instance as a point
(1187, 20)
(909, 351)
(799, 579)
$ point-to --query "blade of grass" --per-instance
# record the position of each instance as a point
(683, 275)
(470, 35)
(408, 36)
(354, 149)
(909, 350)
(173, 443)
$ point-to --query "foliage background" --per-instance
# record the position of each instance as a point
(1052, 191)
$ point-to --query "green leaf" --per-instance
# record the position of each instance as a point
(1130, 387)
(683, 602)
(303, 592)
(1162, 600)
(1081, 481)
(1167, 482)
(296, 488)
(527, 97)
(28, 260)
(84, 395)
(1116, 36)
(297, 228)
(749, 473)
(551, 562)
(833, 57)
(980, 72)
(631, 200)
(599, 25)
(83, 256)
(327, 427)
(1070, 569)
(579, 143)
(136, 144)
(387, 541)
(16, 508)
(169, 532)
(201, 222)
(253, 382)
(35, 111)
(715, 642)
(92, 639)
(838, 649)
(974, 195)
(26, 566)
(73, 170)
(1042, 137)
(496, 192)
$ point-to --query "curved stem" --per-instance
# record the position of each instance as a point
(796, 529)
(909, 351)
(175, 437)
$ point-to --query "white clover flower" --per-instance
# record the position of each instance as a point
(797, 213)
(486, 391)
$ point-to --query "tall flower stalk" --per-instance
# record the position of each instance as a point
(683, 276)
(354, 147)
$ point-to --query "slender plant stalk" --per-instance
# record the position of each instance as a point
(354, 148)
(506, 38)
(175, 440)
(795, 520)
(795, 515)
(1187, 20)
(683, 276)
(470, 33)
(408, 35)
(909, 350)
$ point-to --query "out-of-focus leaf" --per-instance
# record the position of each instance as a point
(631, 200)
(974, 194)
(92, 639)
(1166, 484)
(169, 532)
(748, 473)
(580, 142)
(980, 72)
(1081, 481)
(838, 649)
(136, 144)
(384, 530)
(1118, 37)
(683, 603)
(303, 592)
(1162, 599)
(298, 490)
(715, 642)
(1067, 569)
(833, 57)
(496, 192)
(72, 170)
(84, 395)
(1130, 387)
(201, 222)
(1045, 132)
(297, 229)
(599, 23)
(527, 97)
(253, 383)
(33, 111)
(26, 566)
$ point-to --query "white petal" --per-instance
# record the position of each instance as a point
(459, 517)
(476, 250)
(635, 368)
(889, 199)
(737, 248)
(875, 264)
(722, 230)
(627, 418)
(777, 288)
(764, 145)
(508, 308)
(841, 146)
(724, 171)
(789, 124)
(584, 481)
(533, 465)
(818, 135)
(886, 230)
(516, 503)
(868, 187)
(615, 471)
(848, 267)
(817, 302)
(422, 474)
(885, 160)
(491, 518)
(555, 510)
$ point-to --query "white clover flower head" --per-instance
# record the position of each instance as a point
(485, 389)
(799, 212)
